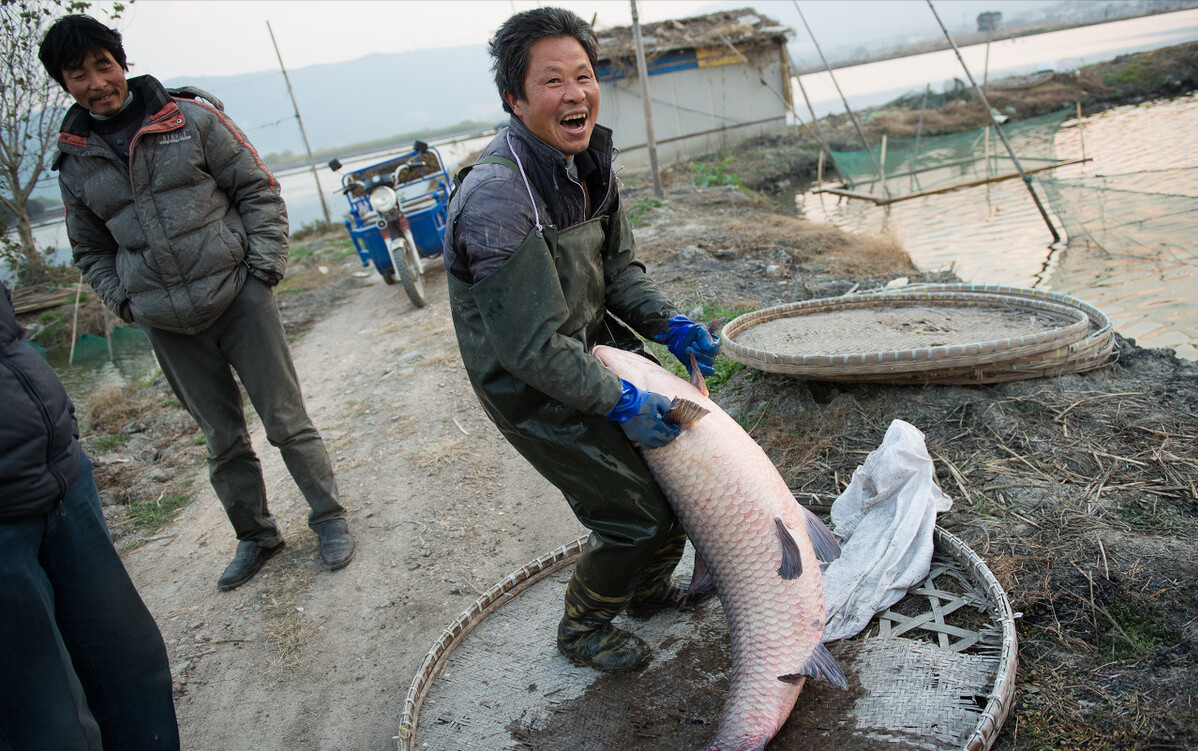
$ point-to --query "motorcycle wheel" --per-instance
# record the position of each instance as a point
(406, 259)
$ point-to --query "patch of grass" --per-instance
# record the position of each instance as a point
(111, 441)
(707, 175)
(1137, 630)
(640, 208)
(153, 515)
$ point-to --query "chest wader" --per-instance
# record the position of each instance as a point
(555, 278)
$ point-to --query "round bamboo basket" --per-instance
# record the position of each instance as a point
(930, 334)
(494, 680)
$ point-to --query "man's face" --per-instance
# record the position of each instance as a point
(98, 83)
(561, 95)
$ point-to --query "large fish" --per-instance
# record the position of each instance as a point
(756, 545)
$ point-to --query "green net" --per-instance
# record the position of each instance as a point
(122, 343)
(125, 338)
(912, 165)
(90, 348)
(1107, 211)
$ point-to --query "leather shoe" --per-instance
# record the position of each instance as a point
(336, 544)
(249, 558)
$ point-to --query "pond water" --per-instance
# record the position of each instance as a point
(993, 234)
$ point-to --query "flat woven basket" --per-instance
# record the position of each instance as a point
(929, 334)
(1096, 349)
(935, 671)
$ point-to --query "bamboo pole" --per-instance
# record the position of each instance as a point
(927, 87)
(311, 161)
(75, 319)
(1056, 237)
(852, 115)
(1081, 130)
(643, 74)
(819, 132)
(946, 188)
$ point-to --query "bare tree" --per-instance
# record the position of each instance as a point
(31, 110)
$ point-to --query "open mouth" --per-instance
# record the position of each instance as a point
(575, 123)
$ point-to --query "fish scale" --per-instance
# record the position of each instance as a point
(728, 494)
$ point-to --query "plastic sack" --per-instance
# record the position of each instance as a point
(884, 519)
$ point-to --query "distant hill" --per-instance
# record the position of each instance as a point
(361, 100)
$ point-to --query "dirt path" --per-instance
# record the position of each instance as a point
(441, 507)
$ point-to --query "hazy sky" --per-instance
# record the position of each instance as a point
(189, 38)
(170, 38)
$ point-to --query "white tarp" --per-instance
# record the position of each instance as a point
(884, 520)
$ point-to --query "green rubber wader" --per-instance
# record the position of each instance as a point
(557, 281)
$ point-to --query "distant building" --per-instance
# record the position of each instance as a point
(715, 81)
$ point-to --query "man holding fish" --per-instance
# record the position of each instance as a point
(541, 269)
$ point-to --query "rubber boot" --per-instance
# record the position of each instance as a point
(658, 588)
(587, 637)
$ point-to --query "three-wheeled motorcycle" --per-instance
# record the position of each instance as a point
(397, 214)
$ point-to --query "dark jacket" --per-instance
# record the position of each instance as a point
(167, 239)
(39, 447)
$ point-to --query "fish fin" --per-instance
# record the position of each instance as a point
(701, 581)
(826, 547)
(714, 326)
(684, 411)
(821, 666)
(792, 561)
(697, 379)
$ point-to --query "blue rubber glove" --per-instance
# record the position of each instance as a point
(684, 337)
(641, 414)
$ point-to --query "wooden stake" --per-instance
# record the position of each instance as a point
(75, 319)
(1056, 237)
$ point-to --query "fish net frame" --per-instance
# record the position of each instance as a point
(970, 582)
(1080, 340)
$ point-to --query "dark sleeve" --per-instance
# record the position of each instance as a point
(494, 218)
(632, 296)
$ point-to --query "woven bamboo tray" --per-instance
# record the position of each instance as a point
(900, 332)
(1093, 351)
(935, 671)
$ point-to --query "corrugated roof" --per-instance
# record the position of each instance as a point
(743, 26)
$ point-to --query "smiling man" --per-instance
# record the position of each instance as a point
(541, 268)
(181, 229)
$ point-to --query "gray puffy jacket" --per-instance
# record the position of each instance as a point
(168, 239)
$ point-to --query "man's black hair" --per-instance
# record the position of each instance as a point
(72, 39)
(509, 47)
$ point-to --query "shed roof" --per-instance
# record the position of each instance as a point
(743, 26)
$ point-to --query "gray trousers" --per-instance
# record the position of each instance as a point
(248, 338)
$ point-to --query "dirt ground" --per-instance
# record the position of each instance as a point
(1078, 491)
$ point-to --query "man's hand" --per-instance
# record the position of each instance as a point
(684, 338)
(642, 416)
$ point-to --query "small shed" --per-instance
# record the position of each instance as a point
(715, 81)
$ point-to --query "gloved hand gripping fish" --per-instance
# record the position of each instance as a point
(755, 544)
